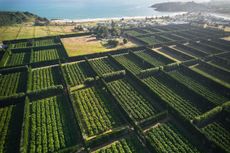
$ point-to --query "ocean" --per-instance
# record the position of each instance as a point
(83, 9)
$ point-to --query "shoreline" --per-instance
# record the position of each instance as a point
(221, 15)
(114, 18)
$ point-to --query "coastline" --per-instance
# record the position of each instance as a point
(114, 18)
(220, 15)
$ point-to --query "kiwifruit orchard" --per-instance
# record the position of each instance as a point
(169, 94)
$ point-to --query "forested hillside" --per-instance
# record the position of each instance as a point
(11, 18)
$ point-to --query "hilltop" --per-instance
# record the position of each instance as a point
(179, 7)
(11, 18)
(213, 7)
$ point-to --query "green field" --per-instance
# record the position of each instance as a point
(134, 100)
(84, 45)
(24, 32)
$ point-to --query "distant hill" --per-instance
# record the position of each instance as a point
(214, 6)
(220, 6)
(11, 18)
(179, 7)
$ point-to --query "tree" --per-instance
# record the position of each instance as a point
(113, 43)
(113, 24)
(79, 28)
(115, 31)
(125, 41)
(102, 32)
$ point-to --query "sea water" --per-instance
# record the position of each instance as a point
(83, 9)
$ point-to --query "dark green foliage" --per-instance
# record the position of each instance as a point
(54, 115)
(42, 78)
(112, 43)
(101, 32)
(76, 73)
(95, 112)
(132, 63)
(166, 137)
(218, 133)
(166, 89)
(114, 75)
(11, 117)
(214, 71)
(123, 101)
(105, 32)
(11, 83)
(10, 18)
(153, 58)
(125, 41)
(211, 114)
(130, 145)
(104, 65)
(195, 85)
(137, 106)
(152, 120)
(4, 58)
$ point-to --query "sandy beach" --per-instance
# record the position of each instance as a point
(113, 18)
(223, 16)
